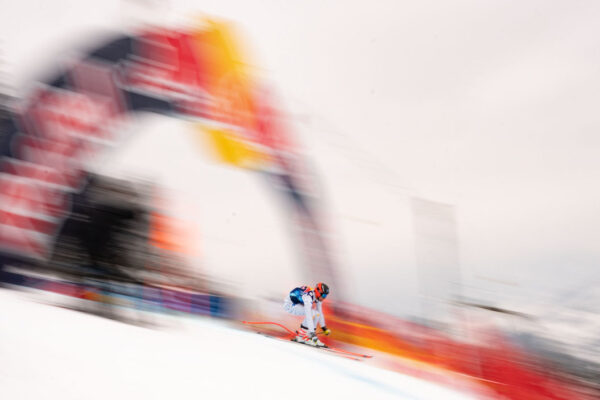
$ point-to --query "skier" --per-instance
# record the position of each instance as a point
(306, 301)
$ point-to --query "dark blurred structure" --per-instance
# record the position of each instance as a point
(120, 253)
(106, 234)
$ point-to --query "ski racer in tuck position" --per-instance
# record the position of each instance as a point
(306, 301)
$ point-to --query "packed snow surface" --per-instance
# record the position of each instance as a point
(49, 352)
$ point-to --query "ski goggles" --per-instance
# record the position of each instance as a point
(321, 296)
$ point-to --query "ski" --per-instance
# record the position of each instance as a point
(350, 353)
(331, 349)
(326, 349)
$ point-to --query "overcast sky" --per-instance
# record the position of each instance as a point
(489, 106)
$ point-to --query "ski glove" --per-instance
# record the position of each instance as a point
(325, 330)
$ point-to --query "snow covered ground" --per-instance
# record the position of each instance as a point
(49, 352)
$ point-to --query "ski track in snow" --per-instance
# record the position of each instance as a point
(48, 352)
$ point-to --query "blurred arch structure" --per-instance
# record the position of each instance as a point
(57, 133)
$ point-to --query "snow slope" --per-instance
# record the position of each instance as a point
(54, 353)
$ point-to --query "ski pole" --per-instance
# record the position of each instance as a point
(268, 323)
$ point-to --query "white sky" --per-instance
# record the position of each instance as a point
(490, 106)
